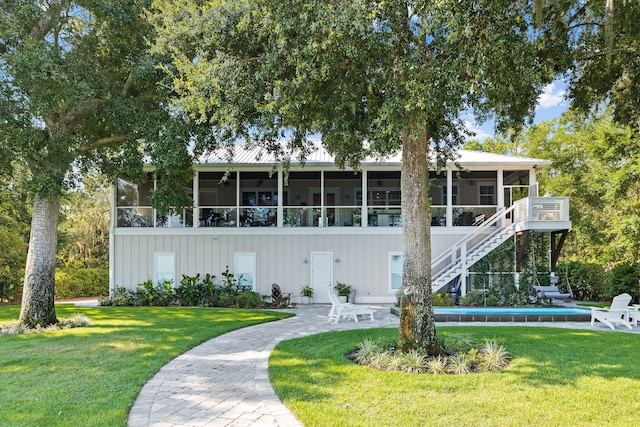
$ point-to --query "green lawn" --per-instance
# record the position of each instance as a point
(558, 377)
(91, 376)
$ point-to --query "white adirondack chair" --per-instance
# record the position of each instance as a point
(617, 314)
(345, 309)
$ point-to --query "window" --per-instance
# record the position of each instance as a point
(487, 193)
(395, 270)
(245, 269)
(164, 267)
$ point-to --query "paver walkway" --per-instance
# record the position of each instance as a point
(224, 381)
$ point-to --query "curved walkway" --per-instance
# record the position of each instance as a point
(225, 381)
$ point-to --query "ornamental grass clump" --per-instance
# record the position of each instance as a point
(76, 320)
(460, 355)
(493, 356)
(437, 365)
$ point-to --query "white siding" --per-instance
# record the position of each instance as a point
(363, 255)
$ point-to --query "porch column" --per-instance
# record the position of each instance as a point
(449, 209)
(196, 199)
(364, 221)
(238, 199)
(323, 211)
(280, 209)
(500, 190)
(533, 183)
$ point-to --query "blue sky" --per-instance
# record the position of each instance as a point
(551, 105)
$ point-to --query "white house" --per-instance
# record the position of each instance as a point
(321, 224)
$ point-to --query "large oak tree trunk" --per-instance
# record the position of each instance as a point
(417, 323)
(38, 294)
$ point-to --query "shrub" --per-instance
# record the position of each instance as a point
(248, 299)
(437, 365)
(442, 300)
(342, 289)
(187, 293)
(366, 350)
(413, 362)
(192, 291)
(457, 343)
(587, 280)
(75, 282)
(76, 320)
(227, 300)
(492, 300)
(494, 357)
(460, 356)
(161, 295)
(120, 296)
(459, 364)
(12, 261)
(473, 297)
(625, 277)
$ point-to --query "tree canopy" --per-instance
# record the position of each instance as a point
(605, 49)
(372, 77)
(77, 90)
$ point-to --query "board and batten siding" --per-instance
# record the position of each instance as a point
(360, 256)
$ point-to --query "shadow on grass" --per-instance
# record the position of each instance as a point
(91, 375)
(305, 367)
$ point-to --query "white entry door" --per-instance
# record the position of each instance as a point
(321, 275)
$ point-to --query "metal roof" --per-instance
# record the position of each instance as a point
(253, 155)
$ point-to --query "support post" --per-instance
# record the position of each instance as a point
(556, 246)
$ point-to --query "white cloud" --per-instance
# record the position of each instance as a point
(480, 133)
(552, 96)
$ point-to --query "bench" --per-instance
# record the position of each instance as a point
(541, 293)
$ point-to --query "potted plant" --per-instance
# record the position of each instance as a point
(307, 294)
(343, 291)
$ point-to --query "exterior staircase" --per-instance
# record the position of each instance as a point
(543, 214)
(472, 248)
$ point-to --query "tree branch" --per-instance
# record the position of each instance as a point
(44, 25)
(128, 85)
(102, 142)
(95, 106)
(41, 29)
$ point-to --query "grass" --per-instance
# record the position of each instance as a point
(558, 377)
(90, 376)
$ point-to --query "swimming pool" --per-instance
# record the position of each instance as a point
(511, 314)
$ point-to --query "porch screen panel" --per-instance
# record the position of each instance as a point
(217, 199)
(300, 208)
(343, 198)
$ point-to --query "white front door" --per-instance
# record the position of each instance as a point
(321, 275)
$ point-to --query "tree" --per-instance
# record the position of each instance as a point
(77, 90)
(605, 37)
(13, 236)
(596, 162)
(84, 237)
(372, 77)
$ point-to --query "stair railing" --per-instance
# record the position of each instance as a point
(461, 248)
